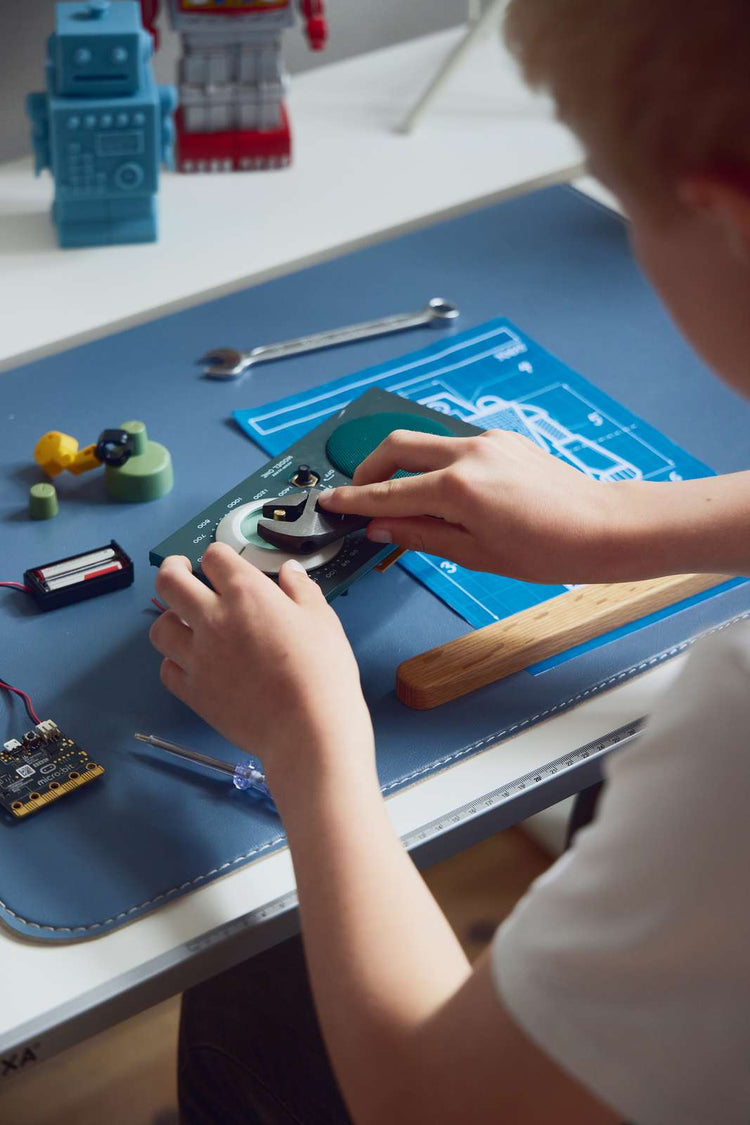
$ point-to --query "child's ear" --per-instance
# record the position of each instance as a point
(726, 201)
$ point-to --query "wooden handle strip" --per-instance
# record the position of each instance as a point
(488, 654)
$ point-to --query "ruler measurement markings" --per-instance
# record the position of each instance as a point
(287, 902)
(523, 784)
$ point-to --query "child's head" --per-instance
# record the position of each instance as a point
(659, 93)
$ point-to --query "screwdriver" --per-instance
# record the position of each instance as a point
(245, 776)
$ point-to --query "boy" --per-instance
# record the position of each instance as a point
(620, 987)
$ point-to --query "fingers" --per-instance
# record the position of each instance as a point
(297, 584)
(433, 537)
(408, 450)
(227, 571)
(171, 637)
(407, 496)
(174, 678)
(180, 589)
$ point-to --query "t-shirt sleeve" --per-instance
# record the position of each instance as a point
(629, 961)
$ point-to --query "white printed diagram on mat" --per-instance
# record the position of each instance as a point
(496, 378)
(534, 422)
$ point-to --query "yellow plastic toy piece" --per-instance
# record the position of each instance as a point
(85, 459)
(55, 452)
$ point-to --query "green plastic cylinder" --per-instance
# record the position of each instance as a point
(43, 503)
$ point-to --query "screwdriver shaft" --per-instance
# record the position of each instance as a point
(183, 752)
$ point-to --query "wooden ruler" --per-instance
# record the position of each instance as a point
(488, 654)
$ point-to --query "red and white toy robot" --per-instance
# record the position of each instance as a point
(231, 79)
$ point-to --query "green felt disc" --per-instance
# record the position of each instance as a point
(348, 446)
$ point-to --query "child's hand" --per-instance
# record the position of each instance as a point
(268, 666)
(494, 502)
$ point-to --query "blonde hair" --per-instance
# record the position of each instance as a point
(656, 89)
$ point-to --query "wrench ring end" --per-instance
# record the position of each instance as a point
(442, 311)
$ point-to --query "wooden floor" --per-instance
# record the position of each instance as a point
(126, 1075)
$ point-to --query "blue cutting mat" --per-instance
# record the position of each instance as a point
(496, 377)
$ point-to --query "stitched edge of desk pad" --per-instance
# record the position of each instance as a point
(606, 684)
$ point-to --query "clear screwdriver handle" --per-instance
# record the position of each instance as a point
(247, 777)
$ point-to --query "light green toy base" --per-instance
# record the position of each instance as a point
(43, 503)
(146, 476)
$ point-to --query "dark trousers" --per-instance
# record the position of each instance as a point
(250, 1049)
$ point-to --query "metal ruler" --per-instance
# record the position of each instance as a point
(515, 800)
(492, 812)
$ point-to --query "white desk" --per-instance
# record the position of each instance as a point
(354, 181)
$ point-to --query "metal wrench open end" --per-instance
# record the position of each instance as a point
(228, 363)
(296, 524)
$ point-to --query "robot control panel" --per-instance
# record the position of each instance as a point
(273, 515)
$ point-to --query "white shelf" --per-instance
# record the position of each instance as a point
(354, 180)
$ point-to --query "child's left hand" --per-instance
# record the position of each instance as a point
(267, 666)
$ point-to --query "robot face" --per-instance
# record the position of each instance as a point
(96, 52)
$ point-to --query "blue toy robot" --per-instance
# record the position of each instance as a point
(103, 127)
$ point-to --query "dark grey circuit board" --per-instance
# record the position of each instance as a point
(275, 479)
(40, 767)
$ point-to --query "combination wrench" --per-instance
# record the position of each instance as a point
(228, 363)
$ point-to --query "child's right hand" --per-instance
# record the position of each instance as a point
(494, 502)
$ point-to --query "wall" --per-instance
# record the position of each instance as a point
(355, 27)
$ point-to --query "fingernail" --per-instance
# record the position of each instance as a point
(293, 564)
(379, 535)
(326, 494)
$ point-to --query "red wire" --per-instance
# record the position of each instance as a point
(159, 606)
(3, 683)
(25, 697)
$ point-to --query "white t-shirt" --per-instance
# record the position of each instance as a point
(629, 961)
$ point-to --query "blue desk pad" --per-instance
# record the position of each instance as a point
(150, 830)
